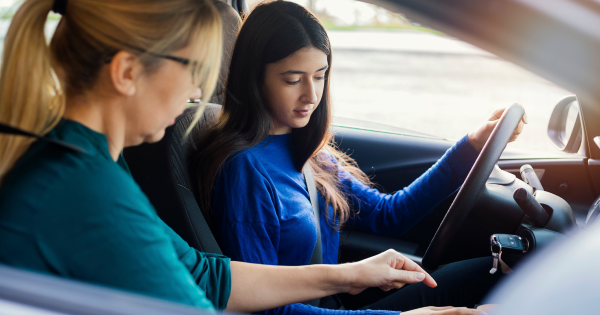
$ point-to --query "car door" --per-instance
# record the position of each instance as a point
(34, 293)
(393, 161)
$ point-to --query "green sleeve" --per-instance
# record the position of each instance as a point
(211, 272)
(106, 232)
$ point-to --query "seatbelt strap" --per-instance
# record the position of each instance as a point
(309, 178)
(6, 129)
(206, 239)
(317, 255)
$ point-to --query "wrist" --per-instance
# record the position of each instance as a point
(340, 277)
(473, 141)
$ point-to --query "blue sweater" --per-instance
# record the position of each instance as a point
(263, 213)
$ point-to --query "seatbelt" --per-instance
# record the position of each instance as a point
(206, 239)
(309, 178)
(6, 129)
(317, 255)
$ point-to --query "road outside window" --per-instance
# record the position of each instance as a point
(389, 71)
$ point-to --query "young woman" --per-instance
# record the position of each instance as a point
(116, 74)
(275, 120)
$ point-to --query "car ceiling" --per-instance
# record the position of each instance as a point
(556, 39)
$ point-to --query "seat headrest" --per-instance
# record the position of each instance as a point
(184, 147)
(231, 26)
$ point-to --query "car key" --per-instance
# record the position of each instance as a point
(507, 243)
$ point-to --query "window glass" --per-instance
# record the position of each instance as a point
(390, 72)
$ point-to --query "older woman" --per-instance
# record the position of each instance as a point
(116, 74)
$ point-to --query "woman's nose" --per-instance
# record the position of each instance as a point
(310, 94)
(197, 94)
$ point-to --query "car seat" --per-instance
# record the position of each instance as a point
(231, 26)
(238, 5)
(161, 169)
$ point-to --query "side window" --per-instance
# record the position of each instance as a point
(7, 11)
(391, 74)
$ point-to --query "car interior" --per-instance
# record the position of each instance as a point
(32, 293)
(564, 199)
(457, 229)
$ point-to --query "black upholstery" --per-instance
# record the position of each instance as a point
(162, 171)
(231, 26)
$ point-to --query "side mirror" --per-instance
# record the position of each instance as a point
(564, 128)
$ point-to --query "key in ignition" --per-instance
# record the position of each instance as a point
(507, 243)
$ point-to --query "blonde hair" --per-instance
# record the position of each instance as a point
(36, 78)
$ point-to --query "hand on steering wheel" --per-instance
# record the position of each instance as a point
(505, 129)
(479, 136)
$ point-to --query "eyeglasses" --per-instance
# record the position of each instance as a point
(181, 60)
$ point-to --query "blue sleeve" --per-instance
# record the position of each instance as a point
(245, 212)
(303, 309)
(394, 214)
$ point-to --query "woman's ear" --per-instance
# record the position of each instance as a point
(124, 71)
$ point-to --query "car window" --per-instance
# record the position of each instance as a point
(395, 74)
(8, 9)
(392, 75)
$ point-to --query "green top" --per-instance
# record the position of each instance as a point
(82, 216)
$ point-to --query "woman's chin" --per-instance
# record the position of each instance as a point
(301, 123)
(154, 137)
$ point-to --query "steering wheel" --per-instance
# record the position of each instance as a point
(471, 190)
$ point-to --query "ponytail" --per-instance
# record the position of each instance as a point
(30, 92)
(37, 79)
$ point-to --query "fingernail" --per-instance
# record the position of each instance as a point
(481, 313)
(419, 276)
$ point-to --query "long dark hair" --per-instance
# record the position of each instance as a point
(272, 32)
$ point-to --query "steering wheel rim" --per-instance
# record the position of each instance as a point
(469, 193)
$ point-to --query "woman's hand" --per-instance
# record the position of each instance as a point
(479, 137)
(446, 310)
(388, 270)
(261, 287)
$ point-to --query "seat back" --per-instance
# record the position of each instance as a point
(162, 171)
(231, 26)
